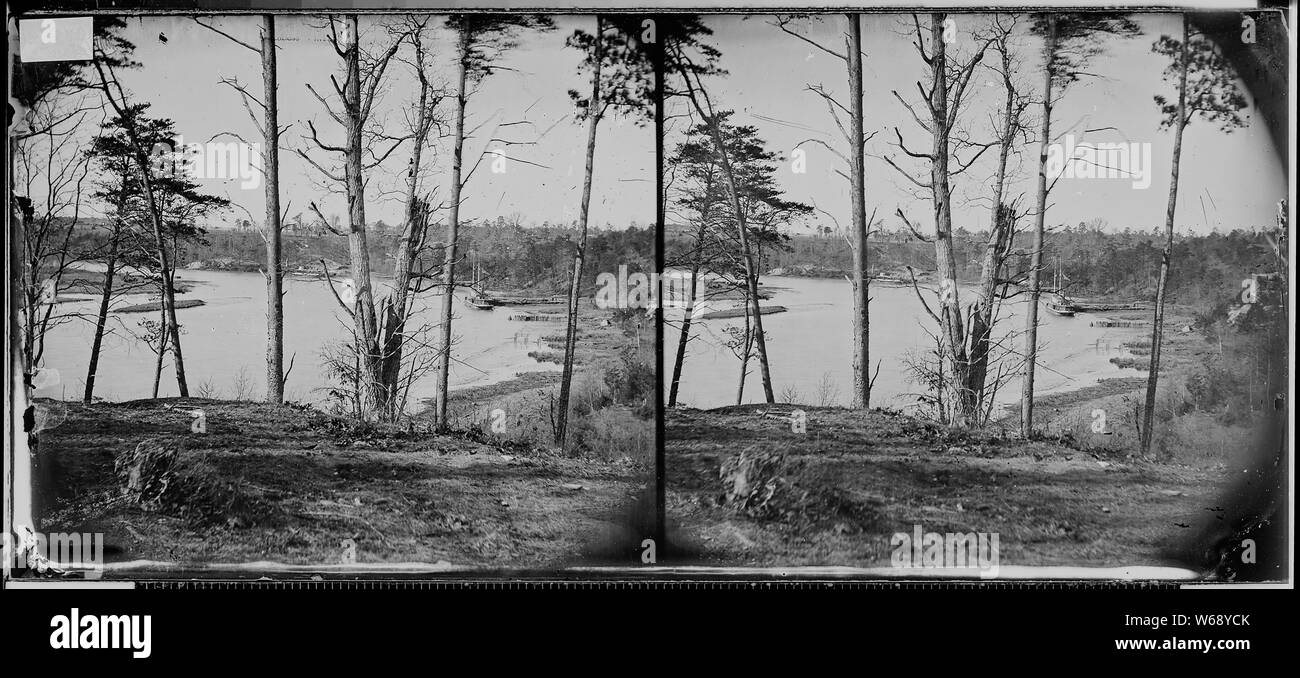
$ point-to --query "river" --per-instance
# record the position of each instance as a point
(811, 353)
(224, 343)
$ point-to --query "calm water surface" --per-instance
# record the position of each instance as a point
(225, 342)
(810, 347)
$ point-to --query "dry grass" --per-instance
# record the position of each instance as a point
(870, 475)
(401, 496)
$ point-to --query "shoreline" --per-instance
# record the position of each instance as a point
(1129, 375)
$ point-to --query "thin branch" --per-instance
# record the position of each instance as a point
(228, 36)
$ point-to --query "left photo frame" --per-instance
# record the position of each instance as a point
(331, 293)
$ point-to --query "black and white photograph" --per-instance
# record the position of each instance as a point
(974, 291)
(320, 290)
(944, 314)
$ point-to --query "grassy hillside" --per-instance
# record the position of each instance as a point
(853, 480)
(289, 485)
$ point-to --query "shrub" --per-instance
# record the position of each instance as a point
(157, 476)
(632, 383)
(612, 434)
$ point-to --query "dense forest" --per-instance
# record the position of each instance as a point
(509, 255)
(1093, 262)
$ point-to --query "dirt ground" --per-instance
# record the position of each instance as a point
(862, 478)
(401, 496)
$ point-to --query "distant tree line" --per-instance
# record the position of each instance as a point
(1094, 262)
(508, 256)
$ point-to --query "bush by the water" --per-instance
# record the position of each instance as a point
(632, 383)
(613, 434)
(608, 413)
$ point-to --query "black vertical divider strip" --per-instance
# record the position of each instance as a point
(661, 476)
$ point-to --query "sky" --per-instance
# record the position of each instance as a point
(181, 77)
(1227, 180)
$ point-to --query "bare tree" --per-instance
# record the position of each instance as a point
(269, 125)
(593, 113)
(51, 169)
(480, 40)
(948, 81)
(1207, 87)
(855, 140)
(412, 244)
(41, 92)
(621, 81)
(1069, 42)
(27, 478)
(356, 97)
(1002, 217)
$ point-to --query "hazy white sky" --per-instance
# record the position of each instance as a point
(181, 78)
(1227, 180)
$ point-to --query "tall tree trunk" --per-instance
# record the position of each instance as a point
(162, 352)
(680, 360)
(742, 229)
(396, 309)
(751, 274)
(369, 381)
(747, 349)
(750, 264)
(953, 336)
(1036, 247)
(170, 326)
(1158, 323)
(32, 293)
(413, 233)
(168, 291)
(857, 197)
(571, 331)
(453, 224)
(101, 318)
(981, 329)
(980, 332)
(274, 264)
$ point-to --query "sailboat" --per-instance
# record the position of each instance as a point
(1057, 302)
(479, 302)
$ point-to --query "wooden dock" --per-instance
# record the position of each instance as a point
(510, 300)
(1111, 322)
(157, 306)
(1102, 306)
(741, 312)
(540, 317)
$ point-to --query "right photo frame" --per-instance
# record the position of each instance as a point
(976, 295)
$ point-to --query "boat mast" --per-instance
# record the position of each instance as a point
(1056, 282)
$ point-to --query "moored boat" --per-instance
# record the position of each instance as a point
(1060, 306)
(480, 303)
(1056, 301)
